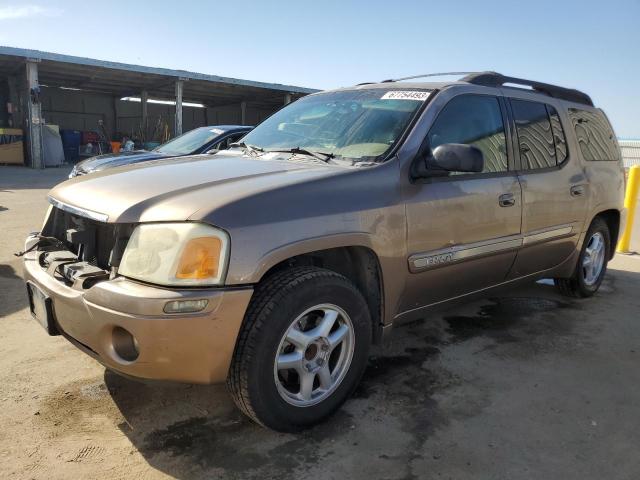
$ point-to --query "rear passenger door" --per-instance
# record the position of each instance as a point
(554, 187)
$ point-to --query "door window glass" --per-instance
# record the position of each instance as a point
(535, 137)
(473, 120)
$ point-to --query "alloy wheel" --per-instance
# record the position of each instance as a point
(593, 259)
(314, 355)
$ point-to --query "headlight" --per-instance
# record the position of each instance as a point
(176, 254)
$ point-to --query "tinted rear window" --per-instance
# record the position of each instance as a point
(595, 135)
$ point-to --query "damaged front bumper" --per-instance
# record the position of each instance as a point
(123, 324)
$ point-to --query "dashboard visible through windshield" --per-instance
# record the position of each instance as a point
(354, 124)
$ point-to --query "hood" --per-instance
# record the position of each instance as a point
(182, 188)
(109, 160)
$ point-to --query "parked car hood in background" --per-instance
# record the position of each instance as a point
(95, 164)
(181, 188)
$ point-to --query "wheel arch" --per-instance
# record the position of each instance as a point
(612, 219)
(357, 262)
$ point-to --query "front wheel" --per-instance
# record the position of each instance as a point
(592, 262)
(302, 349)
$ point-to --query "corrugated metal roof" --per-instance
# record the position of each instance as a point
(165, 72)
(630, 152)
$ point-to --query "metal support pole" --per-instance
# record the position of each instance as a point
(287, 99)
(144, 96)
(34, 115)
(630, 203)
(178, 124)
(243, 113)
(115, 118)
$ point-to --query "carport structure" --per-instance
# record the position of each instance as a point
(74, 92)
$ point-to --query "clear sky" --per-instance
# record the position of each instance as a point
(590, 45)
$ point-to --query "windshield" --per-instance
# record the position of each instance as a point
(189, 142)
(354, 124)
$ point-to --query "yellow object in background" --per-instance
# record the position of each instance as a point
(630, 203)
(11, 146)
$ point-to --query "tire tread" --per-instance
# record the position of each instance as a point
(571, 287)
(264, 301)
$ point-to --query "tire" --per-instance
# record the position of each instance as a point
(284, 305)
(581, 284)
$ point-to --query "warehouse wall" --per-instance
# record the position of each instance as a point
(81, 110)
(76, 110)
(130, 117)
(231, 114)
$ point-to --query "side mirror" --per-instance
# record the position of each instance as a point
(450, 157)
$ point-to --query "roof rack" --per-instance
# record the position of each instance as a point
(494, 79)
(426, 75)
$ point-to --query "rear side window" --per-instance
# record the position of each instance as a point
(535, 135)
(473, 120)
(595, 135)
(558, 135)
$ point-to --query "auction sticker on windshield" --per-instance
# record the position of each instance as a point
(406, 95)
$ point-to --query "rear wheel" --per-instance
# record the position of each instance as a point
(302, 349)
(592, 263)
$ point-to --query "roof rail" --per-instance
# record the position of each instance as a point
(494, 79)
(426, 75)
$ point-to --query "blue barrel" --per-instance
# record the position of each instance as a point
(71, 145)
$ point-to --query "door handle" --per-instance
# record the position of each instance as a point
(577, 190)
(506, 200)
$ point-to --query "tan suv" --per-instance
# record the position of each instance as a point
(275, 265)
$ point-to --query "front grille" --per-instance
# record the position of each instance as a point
(99, 244)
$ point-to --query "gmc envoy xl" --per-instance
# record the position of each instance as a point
(275, 265)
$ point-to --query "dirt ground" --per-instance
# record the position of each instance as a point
(525, 385)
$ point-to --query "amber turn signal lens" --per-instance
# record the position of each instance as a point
(200, 258)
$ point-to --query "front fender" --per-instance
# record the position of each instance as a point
(308, 245)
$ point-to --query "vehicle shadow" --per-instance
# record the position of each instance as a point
(197, 432)
(13, 296)
(191, 431)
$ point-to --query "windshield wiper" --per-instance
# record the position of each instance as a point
(325, 157)
(250, 148)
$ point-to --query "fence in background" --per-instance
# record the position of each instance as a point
(630, 152)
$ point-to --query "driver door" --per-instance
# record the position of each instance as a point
(464, 228)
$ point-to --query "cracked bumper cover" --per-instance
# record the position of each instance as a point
(193, 348)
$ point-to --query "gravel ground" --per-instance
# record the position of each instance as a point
(525, 385)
